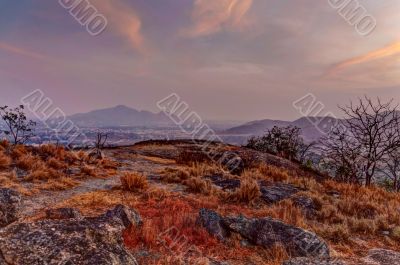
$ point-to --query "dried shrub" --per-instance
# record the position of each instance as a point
(43, 173)
(132, 181)
(88, 171)
(187, 157)
(18, 151)
(274, 173)
(172, 175)
(56, 164)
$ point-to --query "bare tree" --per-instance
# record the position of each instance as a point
(368, 134)
(19, 128)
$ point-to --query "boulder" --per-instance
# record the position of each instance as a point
(213, 223)
(89, 240)
(63, 213)
(268, 232)
(311, 261)
(10, 206)
(382, 257)
(277, 192)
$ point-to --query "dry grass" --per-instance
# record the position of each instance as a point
(199, 185)
(87, 170)
(132, 181)
(248, 192)
(5, 161)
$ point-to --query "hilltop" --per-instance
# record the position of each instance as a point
(167, 202)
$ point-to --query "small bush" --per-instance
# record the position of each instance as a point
(134, 182)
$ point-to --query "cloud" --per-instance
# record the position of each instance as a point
(124, 20)
(381, 53)
(20, 51)
(210, 17)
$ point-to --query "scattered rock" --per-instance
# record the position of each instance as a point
(307, 204)
(213, 223)
(63, 213)
(277, 192)
(225, 184)
(90, 240)
(268, 232)
(382, 257)
(215, 262)
(96, 154)
(311, 261)
(10, 206)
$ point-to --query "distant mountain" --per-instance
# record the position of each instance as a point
(312, 127)
(120, 116)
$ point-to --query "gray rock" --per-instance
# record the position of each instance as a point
(63, 213)
(277, 192)
(213, 223)
(382, 257)
(224, 184)
(268, 232)
(90, 240)
(10, 206)
(124, 214)
(311, 261)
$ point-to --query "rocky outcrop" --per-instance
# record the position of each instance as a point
(266, 232)
(213, 223)
(277, 192)
(10, 204)
(232, 162)
(311, 261)
(382, 257)
(89, 240)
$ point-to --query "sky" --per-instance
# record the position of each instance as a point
(228, 59)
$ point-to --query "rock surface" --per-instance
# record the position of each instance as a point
(277, 192)
(213, 223)
(63, 213)
(382, 257)
(10, 206)
(90, 240)
(310, 261)
(268, 232)
(265, 232)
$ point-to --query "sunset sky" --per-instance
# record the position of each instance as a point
(228, 59)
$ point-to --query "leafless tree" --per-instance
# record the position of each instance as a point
(368, 134)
